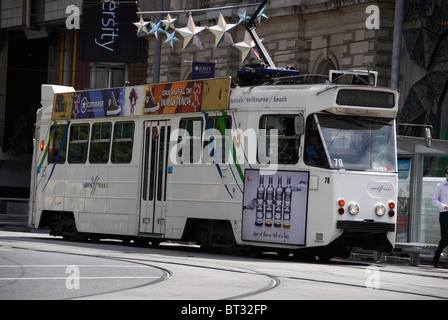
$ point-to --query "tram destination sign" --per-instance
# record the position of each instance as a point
(152, 99)
(366, 98)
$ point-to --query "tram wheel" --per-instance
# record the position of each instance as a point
(283, 254)
(324, 257)
(155, 242)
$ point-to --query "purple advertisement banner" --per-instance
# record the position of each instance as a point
(98, 104)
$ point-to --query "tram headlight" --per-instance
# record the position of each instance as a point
(380, 209)
(353, 208)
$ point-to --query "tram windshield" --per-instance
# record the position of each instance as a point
(351, 142)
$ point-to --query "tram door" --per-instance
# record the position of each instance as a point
(153, 196)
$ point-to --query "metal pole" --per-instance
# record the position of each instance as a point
(158, 47)
(250, 27)
(396, 49)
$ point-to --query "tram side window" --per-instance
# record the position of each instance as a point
(288, 141)
(100, 143)
(216, 132)
(123, 142)
(190, 140)
(314, 149)
(56, 136)
(79, 141)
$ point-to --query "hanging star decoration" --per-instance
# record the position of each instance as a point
(222, 31)
(171, 38)
(156, 30)
(169, 23)
(243, 17)
(247, 48)
(141, 27)
(261, 15)
(191, 33)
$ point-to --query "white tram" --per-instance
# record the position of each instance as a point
(289, 166)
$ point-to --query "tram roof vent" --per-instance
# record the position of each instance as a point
(354, 77)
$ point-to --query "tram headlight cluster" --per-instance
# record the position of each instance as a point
(380, 209)
(353, 207)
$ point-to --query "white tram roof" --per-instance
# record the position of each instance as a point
(333, 98)
(64, 103)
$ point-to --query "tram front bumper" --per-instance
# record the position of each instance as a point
(367, 234)
(367, 226)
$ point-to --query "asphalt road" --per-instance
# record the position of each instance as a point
(36, 266)
(32, 274)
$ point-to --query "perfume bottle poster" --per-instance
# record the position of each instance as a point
(275, 206)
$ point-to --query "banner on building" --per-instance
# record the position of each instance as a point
(107, 33)
(203, 70)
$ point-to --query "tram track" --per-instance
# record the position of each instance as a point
(417, 272)
(342, 284)
(192, 268)
(146, 280)
(267, 283)
(274, 281)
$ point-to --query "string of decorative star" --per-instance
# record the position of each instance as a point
(191, 33)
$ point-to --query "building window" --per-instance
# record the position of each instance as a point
(108, 75)
(325, 66)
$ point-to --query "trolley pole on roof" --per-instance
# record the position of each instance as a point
(250, 27)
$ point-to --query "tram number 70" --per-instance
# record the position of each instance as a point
(338, 163)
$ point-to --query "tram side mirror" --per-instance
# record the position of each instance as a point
(299, 125)
(428, 137)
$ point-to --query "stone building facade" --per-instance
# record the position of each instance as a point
(312, 35)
